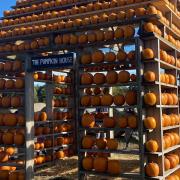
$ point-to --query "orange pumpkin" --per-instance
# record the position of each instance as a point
(2, 83)
(131, 97)
(129, 31)
(7, 138)
(121, 55)
(114, 167)
(166, 164)
(87, 163)
(122, 122)
(19, 139)
(16, 101)
(149, 76)
(86, 78)
(111, 77)
(150, 123)
(43, 116)
(88, 120)
(9, 84)
(99, 78)
(152, 146)
(119, 33)
(100, 164)
(112, 144)
(87, 142)
(132, 121)
(9, 119)
(101, 143)
(152, 169)
(123, 77)
(10, 150)
(95, 101)
(19, 83)
(109, 122)
(86, 59)
(106, 100)
(97, 91)
(85, 100)
(150, 99)
(110, 57)
(119, 100)
(97, 56)
(147, 53)
(4, 157)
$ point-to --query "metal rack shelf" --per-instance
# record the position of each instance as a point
(55, 134)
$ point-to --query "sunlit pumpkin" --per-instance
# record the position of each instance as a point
(129, 31)
(147, 53)
(150, 99)
(149, 76)
(152, 145)
(43, 116)
(166, 164)
(10, 150)
(149, 27)
(152, 169)
(150, 122)
(4, 157)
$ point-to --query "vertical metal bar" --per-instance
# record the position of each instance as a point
(29, 111)
(138, 47)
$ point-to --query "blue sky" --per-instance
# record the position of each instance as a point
(6, 4)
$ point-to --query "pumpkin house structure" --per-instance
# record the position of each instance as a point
(110, 69)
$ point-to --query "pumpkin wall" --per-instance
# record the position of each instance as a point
(126, 85)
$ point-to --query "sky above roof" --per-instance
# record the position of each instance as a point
(6, 4)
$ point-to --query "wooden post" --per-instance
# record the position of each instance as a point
(29, 109)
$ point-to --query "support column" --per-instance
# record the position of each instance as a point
(29, 110)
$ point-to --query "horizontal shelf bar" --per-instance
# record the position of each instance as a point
(63, 95)
(12, 164)
(12, 127)
(163, 85)
(15, 91)
(135, 176)
(170, 171)
(114, 107)
(123, 151)
(108, 85)
(107, 129)
(55, 147)
(167, 106)
(170, 127)
(55, 134)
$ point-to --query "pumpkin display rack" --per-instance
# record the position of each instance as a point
(57, 122)
(145, 77)
(12, 117)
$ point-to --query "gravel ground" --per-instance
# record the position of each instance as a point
(67, 169)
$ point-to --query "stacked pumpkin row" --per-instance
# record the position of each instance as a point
(171, 161)
(59, 141)
(11, 119)
(101, 165)
(89, 7)
(170, 120)
(26, 45)
(129, 120)
(13, 101)
(112, 77)
(60, 103)
(11, 84)
(11, 66)
(98, 56)
(83, 9)
(41, 6)
(64, 91)
(12, 137)
(62, 115)
(11, 175)
(107, 99)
